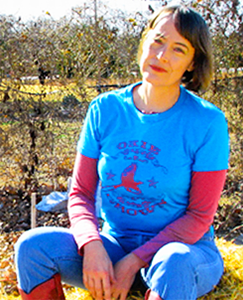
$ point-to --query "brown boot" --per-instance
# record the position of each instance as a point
(49, 290)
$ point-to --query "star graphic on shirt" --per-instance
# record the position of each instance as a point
(152, 182)
(110, 175)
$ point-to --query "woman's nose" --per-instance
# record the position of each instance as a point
(162, 53)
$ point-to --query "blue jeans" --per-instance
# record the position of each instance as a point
(177, 271)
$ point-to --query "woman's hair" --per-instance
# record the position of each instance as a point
(192, 27)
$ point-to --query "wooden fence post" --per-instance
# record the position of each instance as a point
(33, 210)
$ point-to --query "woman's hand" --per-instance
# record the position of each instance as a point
(98, 273)
(125, 272)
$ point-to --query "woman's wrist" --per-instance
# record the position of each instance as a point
(137, 262)
(92, 245)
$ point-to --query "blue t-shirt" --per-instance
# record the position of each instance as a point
(145, 161)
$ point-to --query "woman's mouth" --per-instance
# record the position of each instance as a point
(158, 69)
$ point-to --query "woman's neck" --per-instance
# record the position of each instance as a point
(150, 99)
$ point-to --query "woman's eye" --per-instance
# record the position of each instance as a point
(179, 50)
(158, 41)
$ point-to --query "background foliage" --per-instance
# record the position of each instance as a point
(50, 70)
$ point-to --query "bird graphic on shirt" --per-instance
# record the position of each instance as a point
(128, 181)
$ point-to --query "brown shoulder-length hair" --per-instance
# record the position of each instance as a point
(192, 27)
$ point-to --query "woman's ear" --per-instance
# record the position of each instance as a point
(190, 67)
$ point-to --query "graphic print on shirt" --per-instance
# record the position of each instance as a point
(137, 202)
(127, 180)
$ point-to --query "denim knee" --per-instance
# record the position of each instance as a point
(181, 271)
(40, 253)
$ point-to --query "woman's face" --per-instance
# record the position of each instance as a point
(166, 55)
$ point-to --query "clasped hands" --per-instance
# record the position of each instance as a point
(104, 281)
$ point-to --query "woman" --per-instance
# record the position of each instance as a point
(161, 154)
